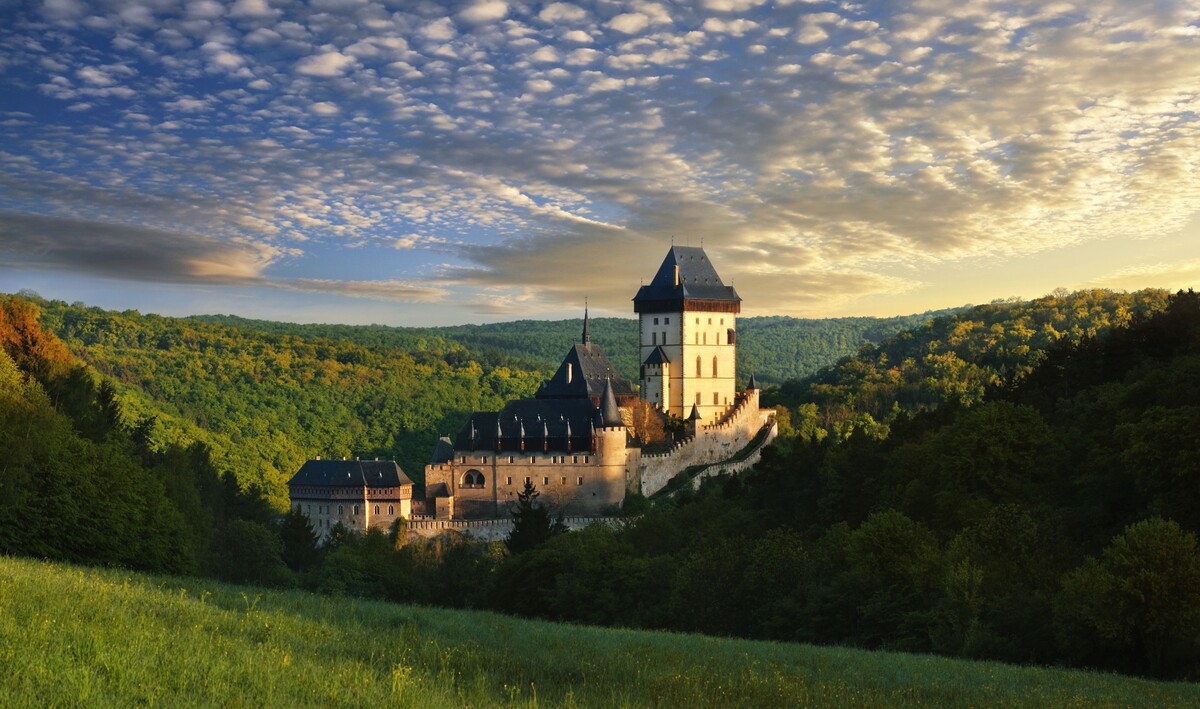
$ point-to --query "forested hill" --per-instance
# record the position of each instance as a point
(954, 358)
(773, 348)
(264, 402)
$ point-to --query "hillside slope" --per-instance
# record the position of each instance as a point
(71, 636)
(773, 348)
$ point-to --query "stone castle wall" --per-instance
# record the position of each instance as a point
(711, 444)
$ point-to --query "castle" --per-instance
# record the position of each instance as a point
(573, 440)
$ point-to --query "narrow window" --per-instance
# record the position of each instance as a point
(564, 480)
(512, 459)
(485, 460)
(664, 338)
(714, 367)
(722, 321)
(666, 321)
(716, 401)
(697, 338)
(574, 459)
(697, 398)
(654, 338)
(698, 372)
(376, 509)
(706, 338)
(710, 321)
(718, 337)
(655, 321)
(532, 459)
(463, 460)
(528, 480)
(510, 480)
(391, 510)
(339, 510)
(356, 510)
(545, 481)
(697, 321)
(586, 458)
(580, 479)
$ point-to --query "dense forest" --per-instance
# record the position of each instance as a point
(954, 358)
(1041, 505)
(773, 348)
(264, 403)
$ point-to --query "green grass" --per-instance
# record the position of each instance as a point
(73, 636)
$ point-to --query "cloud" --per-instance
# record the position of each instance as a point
(629, 22)
(253, 9)
(562, 12)
(325, 64)
(374, 290)
(1180, 275)
(32, 241)
(484, 11)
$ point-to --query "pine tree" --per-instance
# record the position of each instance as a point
(532, 523)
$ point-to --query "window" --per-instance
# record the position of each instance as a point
(575, 459)
(714, 367)
(580, 479)
(706, 338)
(718, 337)
(532, 459)
(339, 510)
(356, 510)
(655, 321)
(697, 338)
(586, 458)
(697, 321)
(472, 479)
(716, 401)
(654, 338)
(511, 459)
(722, 321)
(666, 321)
(528, 480)
(376, 509)
(485, 460)
(546, 481)
(510, 480)
(664, 338)
(698, 372)
(463, 460)
(391, 510)
(564, 480)
(697, 398)
(710, 321)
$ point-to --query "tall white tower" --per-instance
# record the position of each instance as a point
(688, 326)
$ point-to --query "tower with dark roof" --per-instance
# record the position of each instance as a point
(688, 325)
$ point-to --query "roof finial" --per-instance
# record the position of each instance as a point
(587, 327)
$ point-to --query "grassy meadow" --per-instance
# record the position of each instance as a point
(100, 637)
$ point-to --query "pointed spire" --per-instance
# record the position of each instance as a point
(695, 415)
(610, 414)
(751, 385)
(587, 326)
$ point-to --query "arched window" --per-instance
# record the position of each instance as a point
(472, 479)
(376, 509)
(714, 367)
(339, 510)
(698, 371)
(391, 510)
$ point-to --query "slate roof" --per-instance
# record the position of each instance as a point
(590, 368)
(609, 413)
(698, 280)
(443, 452)
(657, 356)
(543, 424)
(350, 473)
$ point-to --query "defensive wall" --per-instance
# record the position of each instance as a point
(711, 444)
(487, 530)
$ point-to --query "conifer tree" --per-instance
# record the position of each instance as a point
(532, 523)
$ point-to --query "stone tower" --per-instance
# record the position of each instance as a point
(688, 335)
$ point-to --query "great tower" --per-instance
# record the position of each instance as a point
(688, 334)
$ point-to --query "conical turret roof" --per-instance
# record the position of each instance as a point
(610, 414)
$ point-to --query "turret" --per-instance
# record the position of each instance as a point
(609, 413)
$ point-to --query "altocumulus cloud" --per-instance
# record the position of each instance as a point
(542, 149)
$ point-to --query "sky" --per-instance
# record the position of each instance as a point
(401, 162)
